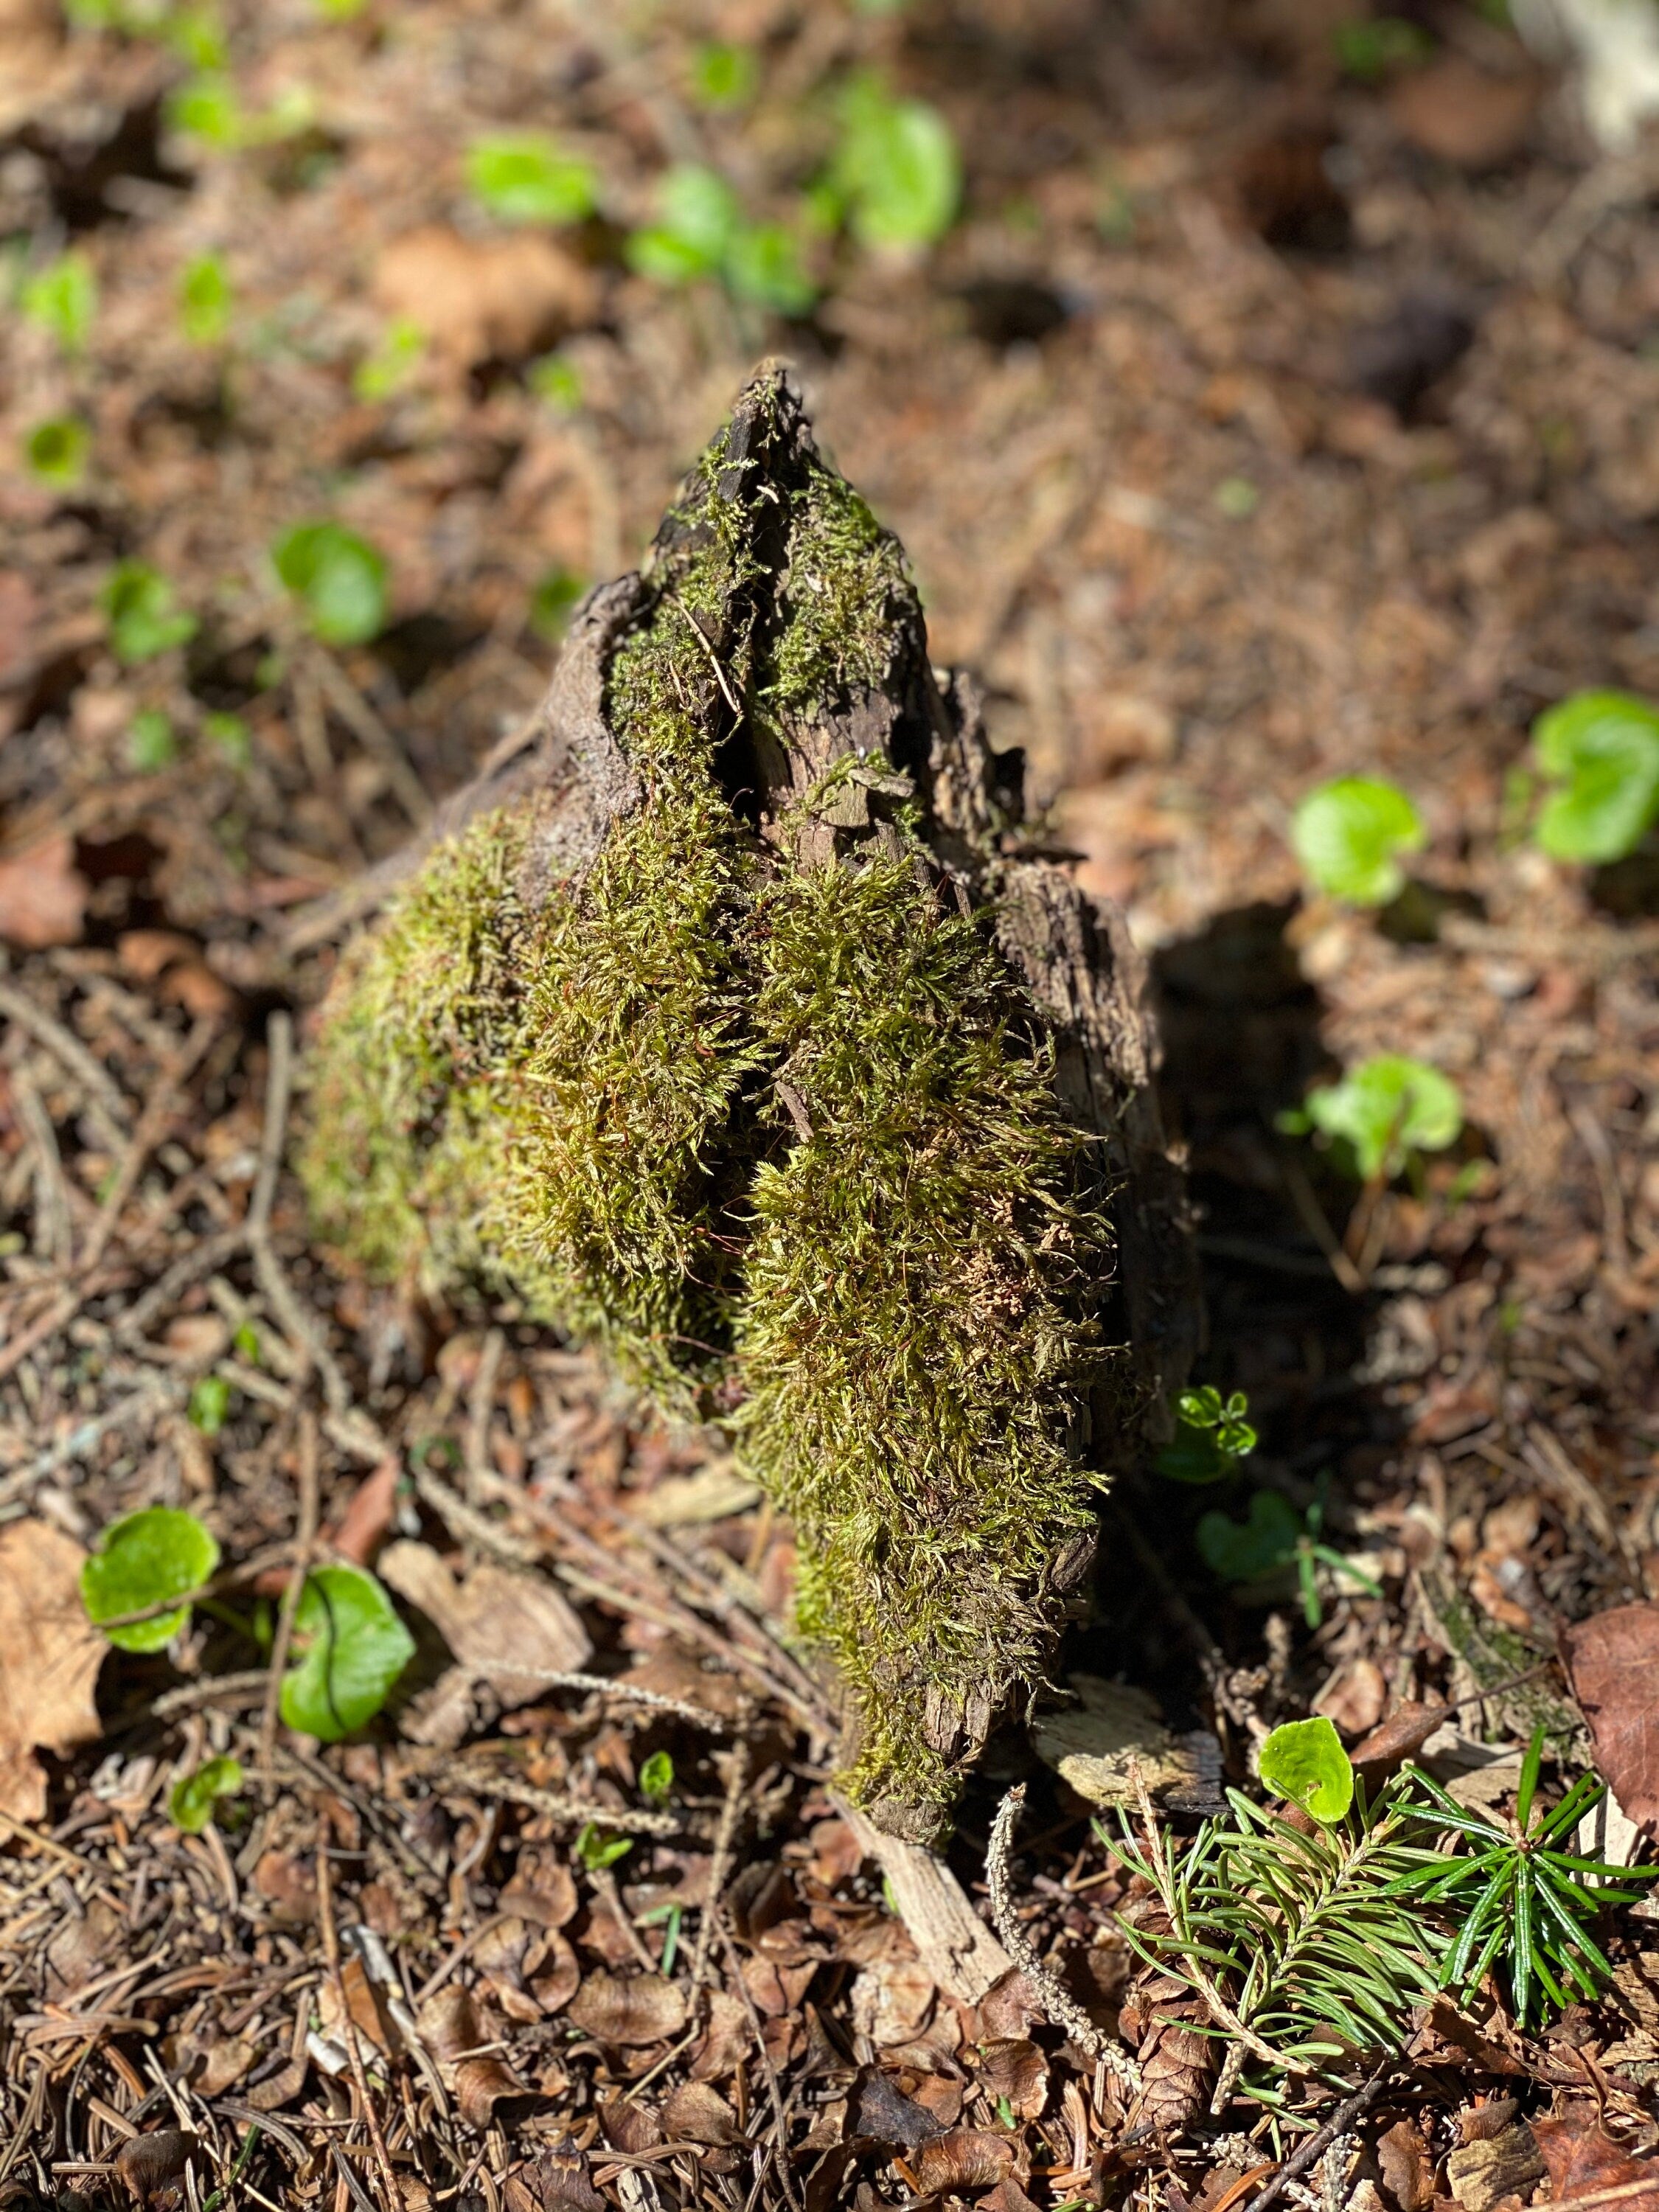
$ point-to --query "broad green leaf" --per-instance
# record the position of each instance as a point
(144, 619)
(191, 1802)
(1304, 1762)
(898, 166)
(151, 745)
(1193, 1454)
(383, 373)
(204, 300)
(1388, 1108)
(145, 1559)
(63, 299)
(1348, 836)
(724, 76)
(339, 579)
(56, 452)
(763, 264)
(521, 177)
(657, 1777)
(1212, 1436)
(352, 1647)
(1246, 1550)
(1602, 747)
(206, 108)
(697, 217)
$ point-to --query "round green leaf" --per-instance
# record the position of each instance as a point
(204, 300)
(1304, 1762)
(56, 451)
(190, 1804)
(763, 264)
(899, 168)
(725, 75)
(352, 1647)
(1193, 1454)
(1246, 1550)
(552, 603)
(1348, 835)
(143, 619)
(1603, 748)
(522, 177)
(145, 1559)
(63, 300)
(339, 579)
(1388, 1108)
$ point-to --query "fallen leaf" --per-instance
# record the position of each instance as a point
(50, 1656)
(966, 2158)
(370, 1510)
(1583, 2160)
(725, 2042)
(485, 298)
(43, 897)
(225, 2064)
(893, 2000)
(631, 2009)
(1465, 115)
(1112, 1728)
(492, 1620)
(1006, 2196)
(81, 1945)
(480, 2086)
(362, 2004)
(629, 2124)
(555, 1979)
(696, 2113)
(1013, 2068)
(556, 2182)
(1613, 1661)
(1407, 2169)
(288, 1885)
(1354, 1697)
(1010, 2005)
(1398, 1738)
(150, 2164)
(1480, 2174)
(881, 2111)
(542, 1890)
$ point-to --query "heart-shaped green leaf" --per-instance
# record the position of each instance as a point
(1603, 748)
(1348, 836)
(338, 578)
(1304, 1762)
(1245, 1551)
(190, 1806)
(1388, 1108)
(351, 1646)
(144, 1560)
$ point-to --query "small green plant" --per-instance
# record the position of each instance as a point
(656, 1777)
(192, 1803)
(1385, 1111)
(598, 1847)
(521, 177)
(1375, 49)
(897, 170)
(724, 76)
(338, 578)
(151, 745)
(209, 1405)
(351, 1648)
(144, 617)
(1521, 1899)
(63, 298)
(558, 381)
(204, 300)
(208, 108)
(1212, 1434)
(385, 372)
(147, 1560)
(230, 737)
(552, 601)
(1237, 498)
(701, 231)
(1304, 1762)
(1601, 750)
(1272, 1537)
(1349, 836)
(56, 452)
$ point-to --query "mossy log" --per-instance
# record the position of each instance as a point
(733, 1020)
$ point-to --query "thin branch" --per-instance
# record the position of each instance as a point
(720, 1863)
(305, 1540)
(1341, 2120)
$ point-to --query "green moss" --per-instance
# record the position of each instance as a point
(776, 1126)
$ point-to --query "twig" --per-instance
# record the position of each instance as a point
(1341, 2120)
(374, 735)
(330, 1935)
(611, 1686)
(68, 1048)
(482, 1404)
(475, 1528)
(80, 1441)
(574, 1810)
(737, 1783)
(1062, 2009)
(254, 1683)
(780, 2115)
(306, 1538)
(152, 1121)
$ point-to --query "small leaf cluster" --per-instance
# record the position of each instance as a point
(1382, 1114)
(701, 230)
(1274, 1536)
(1212, 1436)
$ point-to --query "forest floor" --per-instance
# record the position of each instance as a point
(1259, 421)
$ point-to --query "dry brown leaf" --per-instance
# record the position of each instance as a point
(893, 2000)
(542, 1890)
(485, 298)
(1354, 1697)
(1480, 2174)
(151, 2164)
(1008, 2007)
(226, 2062)
(43, 896)
(556, 2182)
(288, 1885)
(367, 1519)
(966, 2158)
(492, 1619)
(1466, 115)
(554, 1978)
(1400, 1737)
(1583, 2160)
(699, 2114)
(1613, 1659)
(881, 2111)
(480, 2086)
(278, 2089)
(723, 2044)
(50, 1656)
(449, 2024)
(629, 2124)
(1013, 2068)
(1407, 2169)
(633, 2009)
(1006, 2196)
(81, 1945)
(363, 2003)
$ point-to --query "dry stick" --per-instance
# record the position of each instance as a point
(376, 737)
(610, 1685)
(151, 1122)
(1063, 2010)
(780, 2114)
(575, 1809)
(476, 1455)
(80, 1441)
(1349, 2111)
(68, 1048)
(720, 1860)
(348, 2027)
(306, 1538)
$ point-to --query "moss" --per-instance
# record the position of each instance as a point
(770, 1119)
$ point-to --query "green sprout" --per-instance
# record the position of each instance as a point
(1349, 834)
(657, 1777)
(897, 170)
(151, 745)
(724, 76)
(385, 372)
(209, 1405)
(557, 381)
(230, 735)
(145, 1561)
(338, 578)
(1369, 51)
(521, 177)
(1212, 1434)
(1272, 1537)
(1386, 1111)
(63, 298)
(1601, 749)
(143, 619)
(351, 1648)
(192, 1802)
(56, 452)
(701, 231)
(204, 300)
(552, 602)
(1304, 1762)
(598, 1848)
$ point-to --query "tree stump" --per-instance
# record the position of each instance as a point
(733, 1019)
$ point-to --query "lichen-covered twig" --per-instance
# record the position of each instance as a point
(1063, 2010)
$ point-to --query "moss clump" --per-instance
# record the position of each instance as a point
(752, 1097)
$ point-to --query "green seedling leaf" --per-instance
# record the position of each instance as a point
(897, 168)
(1371, 51)
(1349, 834)
(209, 1405)
(383, 373)
(231, 736)
(338, 578)
(762, 264)
(192, 1802)
(352, 1647)
(552, 601)
(1303, 1762)
(1603, 748)
(144, 618)
(1387, 1109)
(151, 745)
(697, 217)
(63, 300)
(197, 37)
(1212, 1436)
(656, 1777)
(204, 300)
(557, 380)
(1237, 498)
(246, 1343)
(146, 1559)
(521, 177)
(206, 108)
(1248, 1550)
(56, 452)
(724, 76)
(598, 1848)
